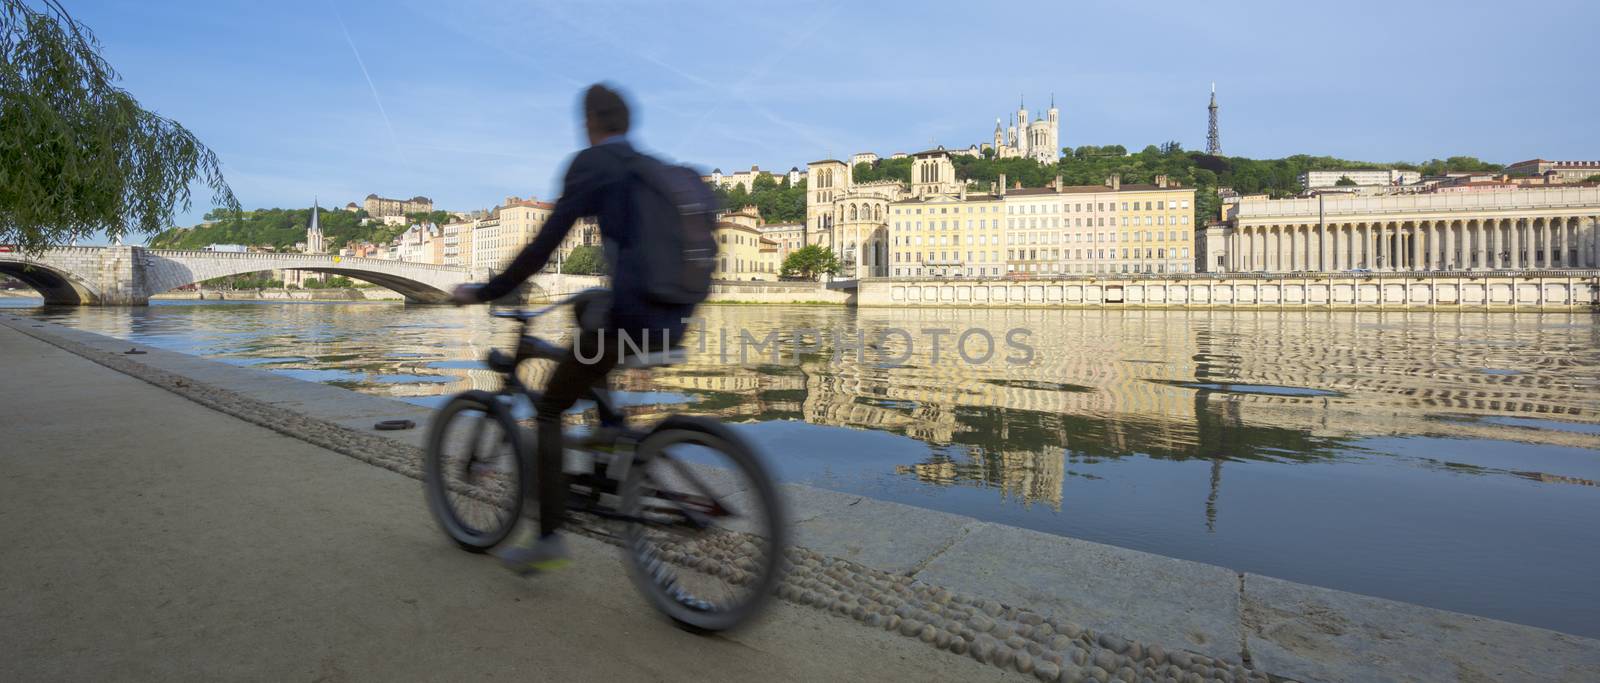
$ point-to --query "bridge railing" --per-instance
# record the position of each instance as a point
(291, 256)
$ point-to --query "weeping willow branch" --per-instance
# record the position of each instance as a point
(77, 153)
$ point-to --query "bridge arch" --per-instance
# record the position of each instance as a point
(167, 270)
(58, 286)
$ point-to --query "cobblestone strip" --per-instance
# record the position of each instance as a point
(1048, 647)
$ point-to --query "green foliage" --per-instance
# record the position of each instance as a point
(777, 201)
(436, 217)
(584, 260)
(277, 228)
(883, 169)
(1344, 181)
(260, 280)
(810, 261)
(1086, 151)
(77, 153)
(1592, 179)
(330, 282)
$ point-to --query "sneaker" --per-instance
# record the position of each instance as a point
(549, 553)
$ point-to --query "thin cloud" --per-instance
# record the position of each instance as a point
(393, 138)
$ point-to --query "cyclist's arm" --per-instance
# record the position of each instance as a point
(577, 200)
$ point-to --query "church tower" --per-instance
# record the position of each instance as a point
(999, 137)
(1022, 128)
(1054, 135)
(314, 238)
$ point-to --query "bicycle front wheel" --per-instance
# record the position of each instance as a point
(706, 533)
(472, 471)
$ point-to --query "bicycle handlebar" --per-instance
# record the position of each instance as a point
(525, 315)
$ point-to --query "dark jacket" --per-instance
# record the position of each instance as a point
(597, 184)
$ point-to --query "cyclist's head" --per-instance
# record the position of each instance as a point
(604, 113)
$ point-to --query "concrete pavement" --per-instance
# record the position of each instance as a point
(147, 537)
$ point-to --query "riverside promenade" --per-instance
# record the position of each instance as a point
(168, 516)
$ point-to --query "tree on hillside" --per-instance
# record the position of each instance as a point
(810, 261)
(584, 260)
(79, 154)
(1592, 179)
(1344, 181)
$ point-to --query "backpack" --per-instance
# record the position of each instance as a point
(675, 214)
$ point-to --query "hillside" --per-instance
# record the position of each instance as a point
(280, 228)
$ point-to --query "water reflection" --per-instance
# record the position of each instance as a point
(1442, 458)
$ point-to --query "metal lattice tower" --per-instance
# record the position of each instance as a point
(1213, 141)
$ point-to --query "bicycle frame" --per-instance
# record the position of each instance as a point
(610, 468)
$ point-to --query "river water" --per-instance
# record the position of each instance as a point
(1447, 459)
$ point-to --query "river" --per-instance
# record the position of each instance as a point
(1446, 459)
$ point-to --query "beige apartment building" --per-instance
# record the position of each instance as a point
(1155, 225)
(743, 254)
(1099, 229)
(946, 236)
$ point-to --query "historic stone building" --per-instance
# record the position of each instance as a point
(1559, 171)
(382, 207)
(851, 218)
(1039, 140)
(1529, 229)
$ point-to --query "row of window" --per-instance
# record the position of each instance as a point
(1047, 238)
(1075, 268)
(741, 264)
(1040, 223)
(1159, 205)
(1031, 223)
(1075, 207)
(1047, 254)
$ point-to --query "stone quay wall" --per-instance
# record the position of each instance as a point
(1558, 290)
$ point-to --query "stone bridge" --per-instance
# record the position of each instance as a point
(129, 276)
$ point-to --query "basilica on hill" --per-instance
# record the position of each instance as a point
(1039, 140)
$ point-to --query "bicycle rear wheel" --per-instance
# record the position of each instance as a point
(472, 471)
(706, 532)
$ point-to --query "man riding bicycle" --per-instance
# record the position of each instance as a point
(600, 182)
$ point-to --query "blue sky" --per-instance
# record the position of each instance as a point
(467, 102)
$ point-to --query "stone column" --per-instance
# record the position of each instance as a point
(1275, 263)
(1436, 243)
(1516, 244)
(1549, 245)
(1347, 240)
(1414, 259)
(1367, 242)
(1592, 243)
(1491, 243)
(1569, 259)
(1483, 244)
(1563, 254)
(1233, 250)
(1386, 248)
(1449, 259)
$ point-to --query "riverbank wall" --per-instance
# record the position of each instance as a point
(1009, 597)
(777, 293)
(344, 294)
(1553, 290)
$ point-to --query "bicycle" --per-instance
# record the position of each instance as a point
(680, 537)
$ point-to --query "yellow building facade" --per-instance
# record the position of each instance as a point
(946, 236)
(743, 254)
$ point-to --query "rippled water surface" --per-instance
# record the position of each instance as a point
(1448, 459)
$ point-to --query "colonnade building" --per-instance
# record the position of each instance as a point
(1528, 229)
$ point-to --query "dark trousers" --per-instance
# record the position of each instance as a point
(572, 379)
